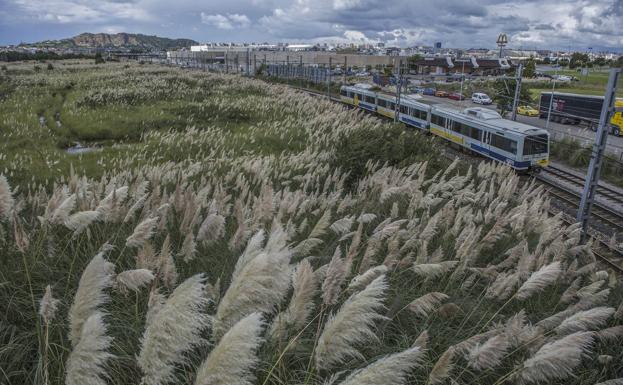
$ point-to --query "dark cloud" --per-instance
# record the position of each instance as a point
(544, 23)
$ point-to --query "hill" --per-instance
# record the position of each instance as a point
(117, 40)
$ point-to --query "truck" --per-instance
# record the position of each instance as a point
(579, 110)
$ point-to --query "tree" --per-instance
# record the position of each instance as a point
(546, 60)
(600, 61)
(578, 60)
(530, 69)
(98, 58)
(412, 60)
(504, 92)
(618, 63)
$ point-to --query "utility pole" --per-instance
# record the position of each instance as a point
(594, 168)
(551, 99)
(517, 89)
(398, 89)
(329, 81)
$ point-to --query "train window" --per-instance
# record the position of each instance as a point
(438, 120)
(391, 105)
(358, 96)
(455, 126)
(370, 99)
(419, 114)
(474, 133)
(381, 103)
(535, 144)
(404, 109)
(503, 143)
(343, 92)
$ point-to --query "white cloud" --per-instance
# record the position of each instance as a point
(230, 21)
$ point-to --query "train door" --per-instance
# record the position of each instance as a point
(486, 141)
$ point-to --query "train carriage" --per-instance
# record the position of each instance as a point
(485, 132)
(481, 130)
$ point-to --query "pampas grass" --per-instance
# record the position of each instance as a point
(489, 354)
(142, 232)
(443, 367)
(556, 360)
(389, 370)
(87, 361)
(48, 305)
(334, 278)
(539, 280)
(585, 320)
(350, 326)
(174, 328)
(133, 279)
(91, 294)
(6, 199)
(362, 280)
(427, 303)
(233, 360)
(260, 285)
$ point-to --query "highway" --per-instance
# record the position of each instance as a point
(557, 131)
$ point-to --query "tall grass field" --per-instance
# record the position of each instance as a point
(223, 230)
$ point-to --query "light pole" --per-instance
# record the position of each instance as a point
(551, 99)
(462, 79)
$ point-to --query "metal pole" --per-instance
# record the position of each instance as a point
(594, 168)
(517, 89)
(398, 89)
(551, 99)
(462, 79)
(329, 81)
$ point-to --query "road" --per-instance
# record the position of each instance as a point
(557, 131)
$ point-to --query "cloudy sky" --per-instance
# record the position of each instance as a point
(559, 24)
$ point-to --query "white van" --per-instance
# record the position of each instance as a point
(481, 98)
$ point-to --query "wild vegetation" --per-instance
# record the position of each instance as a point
(252, 234)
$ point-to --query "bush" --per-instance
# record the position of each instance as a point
(390, 144)
(50, 67)
(4, 68)
(37, 68)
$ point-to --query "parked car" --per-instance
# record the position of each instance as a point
(456, 96)
(429, 91)
(441, 94)
(527, 110)
(480, 98)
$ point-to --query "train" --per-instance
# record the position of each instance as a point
(569, 108)
(477, 129)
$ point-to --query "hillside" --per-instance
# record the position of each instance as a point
(118, 40)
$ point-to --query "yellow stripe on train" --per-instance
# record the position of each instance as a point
(446, 135)
(385, 112)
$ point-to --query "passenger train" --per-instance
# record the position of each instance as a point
(480, 130)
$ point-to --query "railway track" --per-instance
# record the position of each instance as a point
(603, 191)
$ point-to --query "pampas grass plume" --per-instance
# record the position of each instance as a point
(351, 325)
(232, 361)
(173, 329)
(585, 320)
(427, 303)
(142, 232)
(86, 362)
(133, 279)
(556, 360)
(48, 305)
(389, 370)
(96, 278)
(539, 280)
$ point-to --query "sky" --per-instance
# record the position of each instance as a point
(543, 24)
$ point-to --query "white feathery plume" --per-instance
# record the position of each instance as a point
(301, 304)
(155, 303)
(6, 199)
(489, 354)
(78, 222)
(334, 278)
(62, 211)
(48, 305)
(389, 370)
(172, 331)
(142, 232)
(362, 280)
(252, 250)
(87, 361)
(422, 340)
(427, 303)
(212, 228)
(260, 286)
(352, 325)
(443, 367)
(615, 381)
(605, 359)
(556, 360)
(610, 334)
(166, 264)
(321, 226)
(585, 320)
(434, 270)
(539, 280)
(233, 360)
(189, 247)
(96, 278)
(341, 226)
(133, 279)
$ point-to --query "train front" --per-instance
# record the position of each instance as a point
(536, 149)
